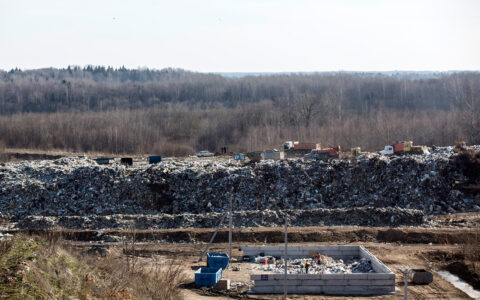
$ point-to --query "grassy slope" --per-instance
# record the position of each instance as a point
(30, 268)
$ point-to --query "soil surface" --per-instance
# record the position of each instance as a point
(393, 255)
(410, 247)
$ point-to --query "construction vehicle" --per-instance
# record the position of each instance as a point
(297, 149)
(323, 154)
(403, 148)
(460, 146)
(357, 151)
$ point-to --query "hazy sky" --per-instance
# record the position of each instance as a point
(242, 35)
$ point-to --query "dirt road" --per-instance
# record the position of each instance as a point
(394, 255)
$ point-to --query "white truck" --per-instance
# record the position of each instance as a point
(388, 150)
(404, 148)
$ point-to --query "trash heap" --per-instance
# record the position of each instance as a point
(176, 189)
(320, 264)
(360, 216)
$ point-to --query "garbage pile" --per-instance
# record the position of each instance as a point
(79, 186)
(364, 216)
(320, 264)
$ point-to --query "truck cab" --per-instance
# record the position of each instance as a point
(387, 151)
(311, 155)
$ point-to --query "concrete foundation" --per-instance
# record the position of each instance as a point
(380, 282)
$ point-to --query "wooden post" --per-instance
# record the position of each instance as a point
(405, 274)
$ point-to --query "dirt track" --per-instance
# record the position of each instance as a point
(405, 235)
(429, 248)
(431, 257)
(412, 247)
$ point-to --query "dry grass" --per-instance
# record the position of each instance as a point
(32, 268)
(150, 279)
(123, 274)
(41, 268)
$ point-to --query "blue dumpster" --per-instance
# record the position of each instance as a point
(239, 156)
(207, 276)
(217, 260)
(154, 159)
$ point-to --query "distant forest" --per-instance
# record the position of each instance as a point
(177, 112)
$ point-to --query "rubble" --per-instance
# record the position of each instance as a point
(319, 265)
(184, 192)
(265, 218)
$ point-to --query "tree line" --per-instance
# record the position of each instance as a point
(176, 112)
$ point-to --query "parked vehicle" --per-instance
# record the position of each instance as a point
(205, 153)
(460, 146)
(403, 148)
(357, 151)
(323, 154)
(297, 149)
(388, 150)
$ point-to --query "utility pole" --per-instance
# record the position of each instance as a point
(405, 274)
(230, 229)
(285, 257)
(213, 237)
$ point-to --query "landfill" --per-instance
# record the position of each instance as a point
(320, 264)
(268, 218)
(375, 190)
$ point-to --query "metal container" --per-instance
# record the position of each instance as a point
(217, 260)
(126, 161)
(273, 154)
(103, 160)
(154, 159)
(421, 276)
(239, 156)
(207, 276)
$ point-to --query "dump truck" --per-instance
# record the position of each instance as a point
(403, 148)
(323, 154)
(297, 149)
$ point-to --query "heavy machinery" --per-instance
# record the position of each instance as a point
(403, 148)
(357, 151)
(297, 149)
(323, 154)
(460, 146)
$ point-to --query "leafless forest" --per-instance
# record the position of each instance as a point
(175, 112)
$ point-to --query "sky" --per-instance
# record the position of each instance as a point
(242, 35)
